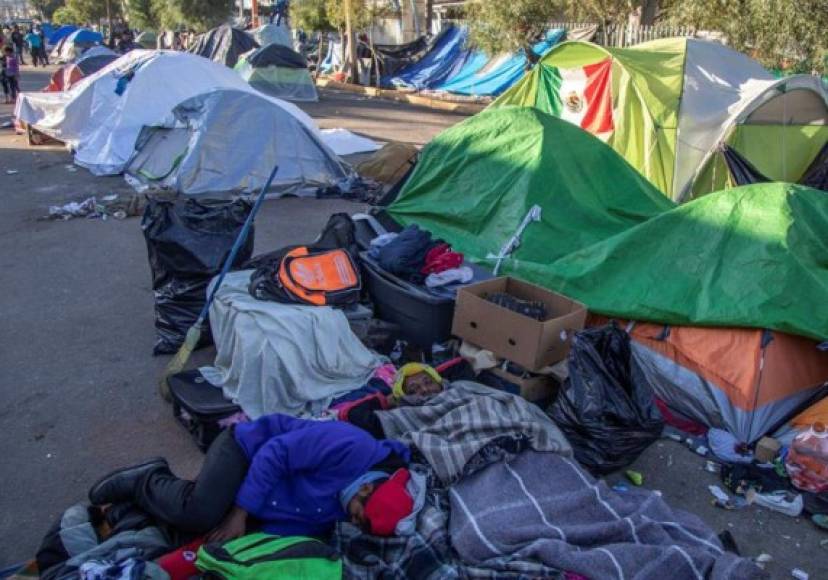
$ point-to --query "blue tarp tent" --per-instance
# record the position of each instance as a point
(62, 33)
(493, 77)
(448, 56)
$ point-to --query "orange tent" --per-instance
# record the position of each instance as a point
(746, 381)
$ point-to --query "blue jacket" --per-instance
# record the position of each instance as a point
(298, 467)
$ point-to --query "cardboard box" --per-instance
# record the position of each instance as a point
(530, 343)
(766, 449)
(535, 388)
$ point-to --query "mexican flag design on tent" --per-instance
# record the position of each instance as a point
(669, 107)
(582, 96)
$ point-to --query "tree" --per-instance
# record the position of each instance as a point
(65, 15)
(784, 34)
(143, 14)
(87, 11)
(312, 15)
(46, 8)
(509, 25)
(197, 14)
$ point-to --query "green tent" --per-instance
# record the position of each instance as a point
(668, 106)
(752, 256)
(475, 182)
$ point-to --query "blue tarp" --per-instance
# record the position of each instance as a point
(86, 36)
(500, 74)
(448, 56)
(62, 33)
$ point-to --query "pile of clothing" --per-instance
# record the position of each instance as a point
(416, 257)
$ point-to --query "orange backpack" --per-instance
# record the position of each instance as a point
(306, 276)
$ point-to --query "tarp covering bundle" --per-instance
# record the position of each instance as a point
(102, 116)
(668, 105)
(229, 141)
(278, 71)
(224, 45)
(482, 75)
(281, 358)
(446, 57)
(393, 57)
(272, 34)
(748, 257)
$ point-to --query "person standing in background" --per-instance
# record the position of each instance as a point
(11, 72)
(18, 42)
(44, 57)
(32, 38)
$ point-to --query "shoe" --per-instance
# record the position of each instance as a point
(119, 486)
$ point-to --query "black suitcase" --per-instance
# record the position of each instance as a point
(199, 406)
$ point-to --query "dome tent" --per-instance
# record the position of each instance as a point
(73, 45)
(223, 45)
(87, 64)
(61, 33)
(667, 105)
(229, 140)
(102, 117)
(278, 71)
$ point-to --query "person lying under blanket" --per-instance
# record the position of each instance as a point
(284, 475)
(414, 384)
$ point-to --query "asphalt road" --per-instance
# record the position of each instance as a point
(78, 387)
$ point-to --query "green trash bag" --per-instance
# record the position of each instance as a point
(273, 557)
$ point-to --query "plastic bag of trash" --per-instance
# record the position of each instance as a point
(606, 408)
(187, 243)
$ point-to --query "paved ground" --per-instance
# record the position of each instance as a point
(77, 394)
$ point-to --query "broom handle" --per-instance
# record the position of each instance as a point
(240, 239)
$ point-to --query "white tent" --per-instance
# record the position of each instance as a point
(102, 116)
(228, 140)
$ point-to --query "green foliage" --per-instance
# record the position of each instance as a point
(46, 8)
(89, 11)
(65, 15)
(784, 34)
(311, 15)
(506, 26)
(144, 14)
(199, 15)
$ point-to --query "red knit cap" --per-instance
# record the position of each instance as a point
(389, 504)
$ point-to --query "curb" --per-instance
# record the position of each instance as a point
(400, 97)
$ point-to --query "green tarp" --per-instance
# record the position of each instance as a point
(754, 256)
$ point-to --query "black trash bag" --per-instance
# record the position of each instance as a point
(606, 408)
(187, 244)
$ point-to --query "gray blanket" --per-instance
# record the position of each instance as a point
(544, 508)
(282, 358)
(454, 426)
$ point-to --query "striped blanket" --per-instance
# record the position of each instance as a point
(545, 509)
(459, 423)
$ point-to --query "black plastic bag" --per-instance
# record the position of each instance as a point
(606, 408)
(187, 244)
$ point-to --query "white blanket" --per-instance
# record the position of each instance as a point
(279, 358)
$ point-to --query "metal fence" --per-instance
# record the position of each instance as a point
(618, 36)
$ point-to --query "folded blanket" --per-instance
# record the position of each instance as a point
(543, 508)
(452, 427)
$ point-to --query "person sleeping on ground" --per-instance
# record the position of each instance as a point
(414, 384)
(283, 475)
